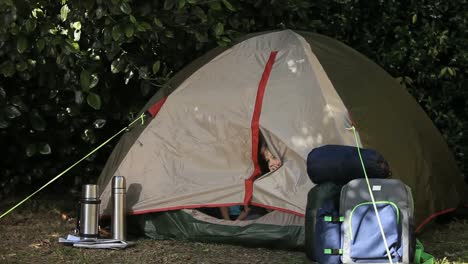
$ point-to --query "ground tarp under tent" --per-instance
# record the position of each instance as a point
(300, 91)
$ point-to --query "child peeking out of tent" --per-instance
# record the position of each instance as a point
(268, 163)
(273, 162)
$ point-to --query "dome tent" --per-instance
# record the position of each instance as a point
(298, 90)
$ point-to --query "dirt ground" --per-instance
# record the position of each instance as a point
(30, 234)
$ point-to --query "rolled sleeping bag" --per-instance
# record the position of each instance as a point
(341, 164)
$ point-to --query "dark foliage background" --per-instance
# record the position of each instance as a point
(73, 72)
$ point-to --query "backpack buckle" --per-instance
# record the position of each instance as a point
(333, 219)
(333, 251)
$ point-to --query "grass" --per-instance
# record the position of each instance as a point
(447, 242)
(30, 234)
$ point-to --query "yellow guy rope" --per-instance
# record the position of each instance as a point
(141, 117)
(372, 197)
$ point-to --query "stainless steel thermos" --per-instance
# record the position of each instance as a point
(119, 225)
(89, 216)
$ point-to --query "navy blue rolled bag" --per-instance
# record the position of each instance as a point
(341, 164)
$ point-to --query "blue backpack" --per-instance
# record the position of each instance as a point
(361, 235)
(349, 232)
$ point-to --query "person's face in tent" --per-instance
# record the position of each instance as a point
(273, 162)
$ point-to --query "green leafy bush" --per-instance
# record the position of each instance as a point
(73, 72)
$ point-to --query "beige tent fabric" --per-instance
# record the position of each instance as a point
(301, 111)
(197, 151)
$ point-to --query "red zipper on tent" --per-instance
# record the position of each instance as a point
(255, 126)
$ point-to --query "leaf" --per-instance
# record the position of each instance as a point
(94, 81)
(228, 5)
(30, 24)
(128, 77)
(180, 4)
(221, 43)
(169, 34)
(88, 136)
(85, 80)
(140, 28)
(71, 46)
(125, 8)
(3, 123)
(169, 4)
(32, 62)
(129, 30)
(94, 101)
(156, 67)
(107, 36)
(408, 80)
(442, 72)
(59, 59)
(7, 68)
(216, 6)
(79, 97)
(53, 94)
(143, 72)
(2, 93)
(219, 29)
(77, 36)
(114, 68)
(36, 12)
(40, 44)
(198, 12)
(145, 25)
(99, 123)
(37, 122)
(64, 12)
(158, 23)
(31, 149)
(415, 18)
(133, 19)
(21, 66)
(22, 44)
(451, 71)
(76, 25)
(12, 112)
(44, 149)
(201, 37)
(116, 33)
(118, 65)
